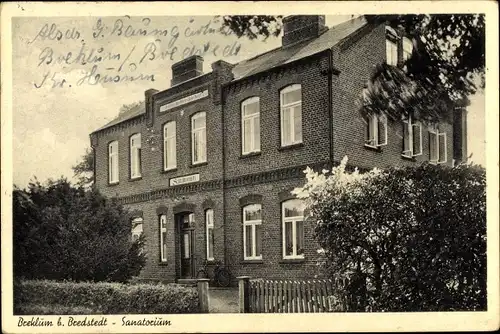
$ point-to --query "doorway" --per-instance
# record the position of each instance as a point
(185, 223)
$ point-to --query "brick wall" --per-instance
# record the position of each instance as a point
(357, 63)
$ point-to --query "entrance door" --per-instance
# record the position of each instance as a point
(186, 245)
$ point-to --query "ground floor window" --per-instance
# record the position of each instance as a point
(293, 229)
(136, 228)
(209, 221)
(252, 232)
(163, 238)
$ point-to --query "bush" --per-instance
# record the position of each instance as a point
(62, 232)
(51, 297)
(414, 238)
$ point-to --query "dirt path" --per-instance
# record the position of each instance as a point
(223, 300)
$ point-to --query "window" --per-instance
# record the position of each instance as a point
(293, 229)
(376, 130)
(135, 155)
(412, 138)
(113, 162)
(163, 238)
(437, 146)
(407, 48)
(291, 115)
(169, 146)
(250, 125)
(198, 138)
(252, 232)
(136, 228)
(209, 221)
(391, 50)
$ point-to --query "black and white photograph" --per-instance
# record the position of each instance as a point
(167, 167)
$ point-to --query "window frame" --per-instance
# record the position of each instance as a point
(294, 221)
(203, 159)
(392, 45)
(253, 224)
(244, 103)
(116, 160)
(373, 121)
(434, 129)
(163, 229)
(135, 222)
(411, 125)
(283, 107)
(166, 138)
(209, 225)
(407, 48)
(135, 156)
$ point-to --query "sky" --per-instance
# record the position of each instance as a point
(57, 101)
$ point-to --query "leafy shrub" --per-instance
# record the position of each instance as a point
(62, 232)
(413, 238)
(103, 298)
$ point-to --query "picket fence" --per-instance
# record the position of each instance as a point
(294, 296)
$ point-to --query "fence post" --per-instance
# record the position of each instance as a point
(203, 294)
(243, 300)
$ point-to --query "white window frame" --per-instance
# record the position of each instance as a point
(439, 136)
(391, 51)
(163, 229)
(290, 106)
(113, 162)
(412, 127)
(169, 136)
(374, 121)
(136, 222)
(294, 221)
(209, 223)
(254, 147)
(195, 159)
(251, 223)
(135, 155)
(407, 48)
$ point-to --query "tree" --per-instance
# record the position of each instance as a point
(84, 170)
(415, 236)
(449, 54)
(63, 232)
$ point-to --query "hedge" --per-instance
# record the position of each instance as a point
(103, 298)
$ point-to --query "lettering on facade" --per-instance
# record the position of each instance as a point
(184, 100)
(184, 179)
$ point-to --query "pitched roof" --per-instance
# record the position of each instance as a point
(273, 58)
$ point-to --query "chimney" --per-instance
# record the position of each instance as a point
(298, 28)
(186, 69)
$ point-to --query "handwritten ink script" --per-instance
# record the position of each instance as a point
(112, 51)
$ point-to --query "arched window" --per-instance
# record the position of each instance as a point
(198, 138)
(135, 155)
(252, 232)
(291, 115)
(293, 229)
(113, 162)
(169, 146)
(163, 238)
(137, 228)
(209, 223)
(250, 125)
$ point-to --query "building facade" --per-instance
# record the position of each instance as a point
(206, 166)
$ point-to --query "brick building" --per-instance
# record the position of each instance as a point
(206, 166)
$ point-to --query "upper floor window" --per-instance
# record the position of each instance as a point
(375, 130)
(412, 138)
(293, 229)
(135, 155)
(198, 138)
(407, 48)
(250, 125)
(113, 162)
(209, 221)
(163, 238)
(291, 115)
(391, 50)
(437, 146)
(252, 232)
(169, 146)
(137, 228)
